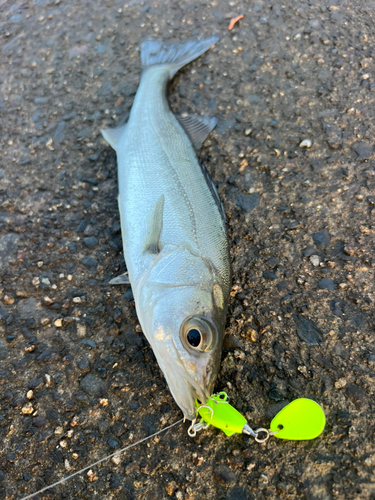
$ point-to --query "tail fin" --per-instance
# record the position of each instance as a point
(156, 52)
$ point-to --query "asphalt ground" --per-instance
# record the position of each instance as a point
(292, 85)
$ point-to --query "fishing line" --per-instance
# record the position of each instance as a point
(116, 453)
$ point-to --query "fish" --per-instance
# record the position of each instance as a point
(173, 228)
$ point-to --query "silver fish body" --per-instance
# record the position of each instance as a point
(174, 237)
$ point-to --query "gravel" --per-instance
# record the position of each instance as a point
(326, 284)
(322, 239)
(285, 74)
(315, 260)
(363, 150)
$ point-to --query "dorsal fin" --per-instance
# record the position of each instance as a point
(154, 228)
(112, 135)
(197, 128)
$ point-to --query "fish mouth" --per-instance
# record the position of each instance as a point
(199, 395)
(198, 387)
(186, 385)
(188, 390)
(188, 406)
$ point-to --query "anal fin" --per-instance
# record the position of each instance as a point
(122, 279)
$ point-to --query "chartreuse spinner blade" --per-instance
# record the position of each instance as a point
(302, 419)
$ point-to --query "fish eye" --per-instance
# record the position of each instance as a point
(194, 337)
(198, 334)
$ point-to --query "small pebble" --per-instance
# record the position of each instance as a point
(239, 354)
(90, 241)
(269, 275)
(112, 443)
(171, 488)
(35, 281)
(252, 334)
(326, 284)
(91, 476)
(116, 459)
(83, 364)
(81, 330)
(348, 250)
(30, 394)
(340, 383)
(58, 323)
(322, 239)
(27, 409)
(363, 150)
(306, 143)
(74, 422)
(8, 300)
(263, 480)
(315, 260)
(303, 370)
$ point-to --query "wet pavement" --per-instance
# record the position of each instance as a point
(293, 87)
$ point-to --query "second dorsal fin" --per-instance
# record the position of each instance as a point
(197, 128)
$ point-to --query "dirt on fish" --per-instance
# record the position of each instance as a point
(292, 85)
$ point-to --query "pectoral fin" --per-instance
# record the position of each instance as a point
(122, 279)
(197, 128)
(112, 135)
(154, 228)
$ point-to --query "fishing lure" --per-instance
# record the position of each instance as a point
(302, 419)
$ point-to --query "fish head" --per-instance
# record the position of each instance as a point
(184, 319)
(187, 337)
